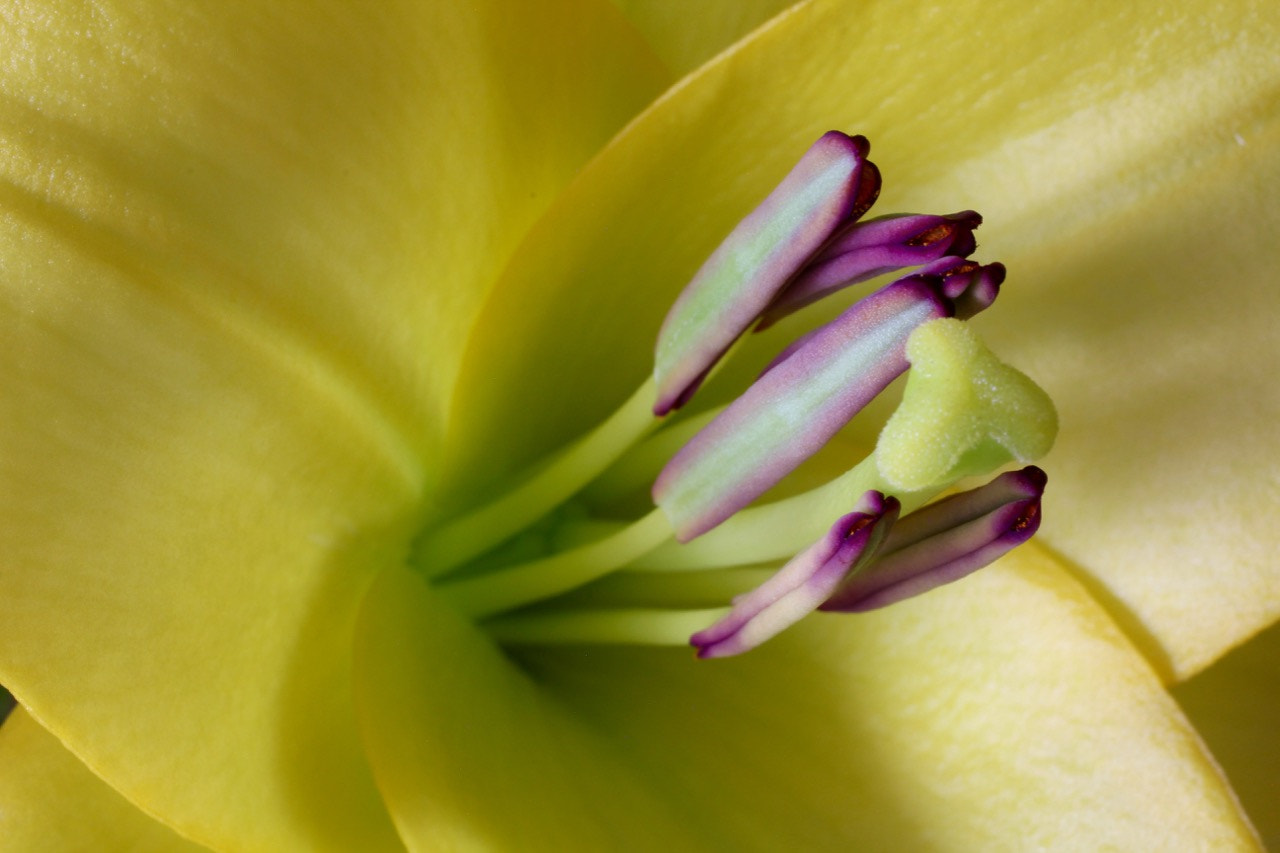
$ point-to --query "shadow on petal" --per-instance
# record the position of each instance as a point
(1233, 706)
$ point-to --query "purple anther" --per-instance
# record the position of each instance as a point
(970, 285)
(946, 541)
(832, 184)
(804, 583)
(796, 406)
(864, 250)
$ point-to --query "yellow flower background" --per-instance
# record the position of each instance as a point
(285, 281)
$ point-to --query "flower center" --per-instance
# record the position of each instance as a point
(575, 551)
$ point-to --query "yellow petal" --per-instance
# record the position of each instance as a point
(240, 245)
(51, 803)
(685, 36)
(1005, 710)
(1155, 334)
(1071, 133)
(191, 515)
(361, 172)
(473, 754)
(1007, 707)
(1233, 706)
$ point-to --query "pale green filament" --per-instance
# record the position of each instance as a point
(464, 538)
(666, 590)
(629, 626)
(777, 530)
(516, 586)
(636, 471)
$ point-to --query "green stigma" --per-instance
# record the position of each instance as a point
(964, 412)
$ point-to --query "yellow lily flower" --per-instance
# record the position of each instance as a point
(282, 280)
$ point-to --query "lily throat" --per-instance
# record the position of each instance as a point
(674, 524)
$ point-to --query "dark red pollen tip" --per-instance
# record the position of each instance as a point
(868, 190)
(861, 523)
(963, 269)
(936, 234)
(1030, 518)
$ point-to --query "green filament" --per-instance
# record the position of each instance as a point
(635, 472)
(470, 535)
(629, 626)
(516, 586)
(777, 530)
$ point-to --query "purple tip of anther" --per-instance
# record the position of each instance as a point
(797, 589)
(970, 286)
(864, 250)
(668, 404)
(832, 182)
(946, 541)
(963, 224)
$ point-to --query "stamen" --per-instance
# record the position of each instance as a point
(971, 286)
(831, 184)
(1010, 488)
(946, 541)
(864, 250)
(802, 584)
(870, 559)
(795, 407)
(963, 413)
